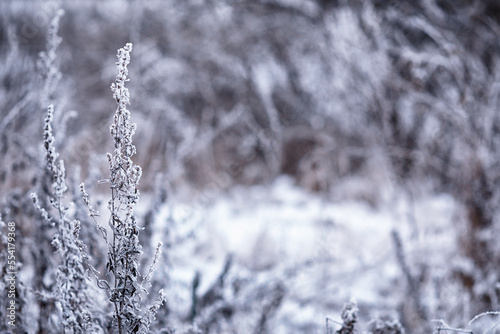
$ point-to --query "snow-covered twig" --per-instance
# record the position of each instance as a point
(487, 313)
(483, 314)
(442, 326)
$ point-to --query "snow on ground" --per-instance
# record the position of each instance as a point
(328, 251)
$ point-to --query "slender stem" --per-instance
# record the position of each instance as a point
(124, 286)
(118, 319)
(113, 259)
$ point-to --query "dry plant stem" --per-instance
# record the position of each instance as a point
(349, 318)
(413, 284)
(47, 62)
(483, 314)
(124, 289)
(123, 191)
(442, 326)
(123, 257)
(328, 320)
(70, 278)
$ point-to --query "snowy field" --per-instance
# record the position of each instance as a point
(328, 252)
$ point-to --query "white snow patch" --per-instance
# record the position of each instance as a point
(327, 252)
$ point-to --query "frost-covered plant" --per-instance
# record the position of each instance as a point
(3, 265)
(71, 292)
(349, 318)
(46, 63)
(386, 327)
(125, 285)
